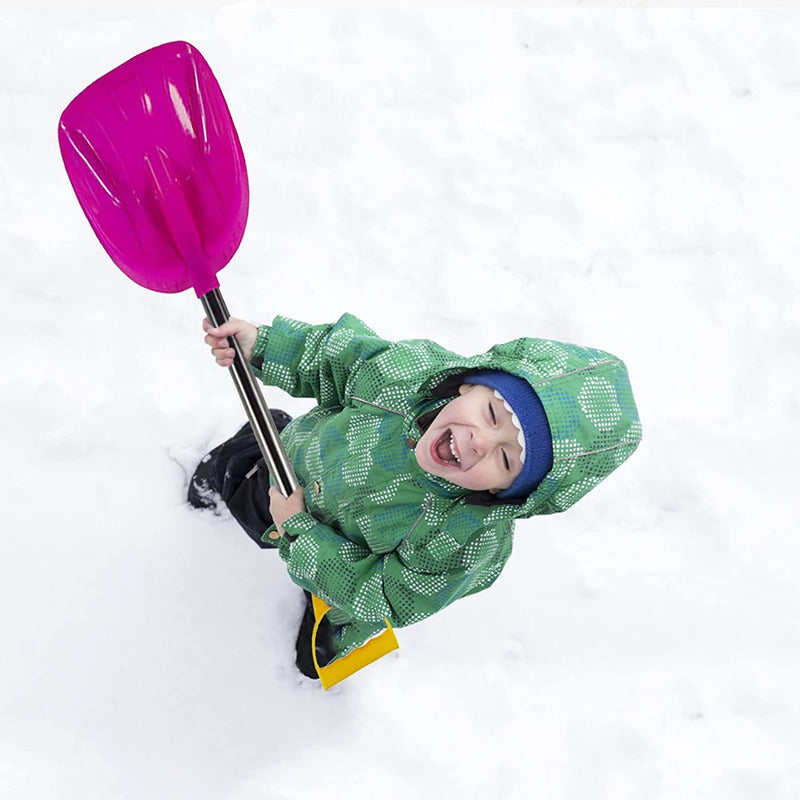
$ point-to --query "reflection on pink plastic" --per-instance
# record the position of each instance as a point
(155, 160)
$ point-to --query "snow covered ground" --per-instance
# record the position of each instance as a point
(624, 179)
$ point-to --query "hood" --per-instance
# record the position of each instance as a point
(588, 400)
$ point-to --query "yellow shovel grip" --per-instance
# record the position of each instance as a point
(341, 668)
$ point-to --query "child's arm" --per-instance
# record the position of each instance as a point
(331, 362)
(303, 360)
(423, 575)
(319, 361)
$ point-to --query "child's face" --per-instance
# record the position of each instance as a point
(472, 442)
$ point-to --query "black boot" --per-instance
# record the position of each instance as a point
(220, 472)
(324, 644)
(203, 491)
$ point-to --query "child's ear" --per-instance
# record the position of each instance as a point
(466, 387)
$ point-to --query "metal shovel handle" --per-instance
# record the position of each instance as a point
(269, 441)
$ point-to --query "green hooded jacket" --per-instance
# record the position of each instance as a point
(382, 538)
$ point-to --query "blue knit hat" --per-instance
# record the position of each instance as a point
(527, 413)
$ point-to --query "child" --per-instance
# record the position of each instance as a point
(414, 463)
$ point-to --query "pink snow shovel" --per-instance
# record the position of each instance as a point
(155, 160)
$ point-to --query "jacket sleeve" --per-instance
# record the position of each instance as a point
(338, 361)
(403, 586)
(318, 361)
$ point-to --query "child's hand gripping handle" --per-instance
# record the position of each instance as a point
(261, 421)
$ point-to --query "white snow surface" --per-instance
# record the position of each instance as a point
(626, 179)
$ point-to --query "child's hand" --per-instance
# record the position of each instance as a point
(281, 508)
(216, 339)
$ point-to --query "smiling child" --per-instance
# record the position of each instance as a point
(414, 463)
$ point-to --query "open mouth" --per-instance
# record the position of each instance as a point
(444, 450)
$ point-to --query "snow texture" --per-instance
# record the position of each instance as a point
(626, 179)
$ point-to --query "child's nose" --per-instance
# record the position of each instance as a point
(481, 441)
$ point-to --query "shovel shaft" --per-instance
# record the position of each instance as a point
(261, 420)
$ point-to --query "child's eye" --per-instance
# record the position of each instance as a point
(506, 461)
(491, 411)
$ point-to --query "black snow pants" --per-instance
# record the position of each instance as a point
(236, 472)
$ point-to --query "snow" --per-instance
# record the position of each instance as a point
(626, 179)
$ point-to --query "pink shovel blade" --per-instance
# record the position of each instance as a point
(154, 158)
